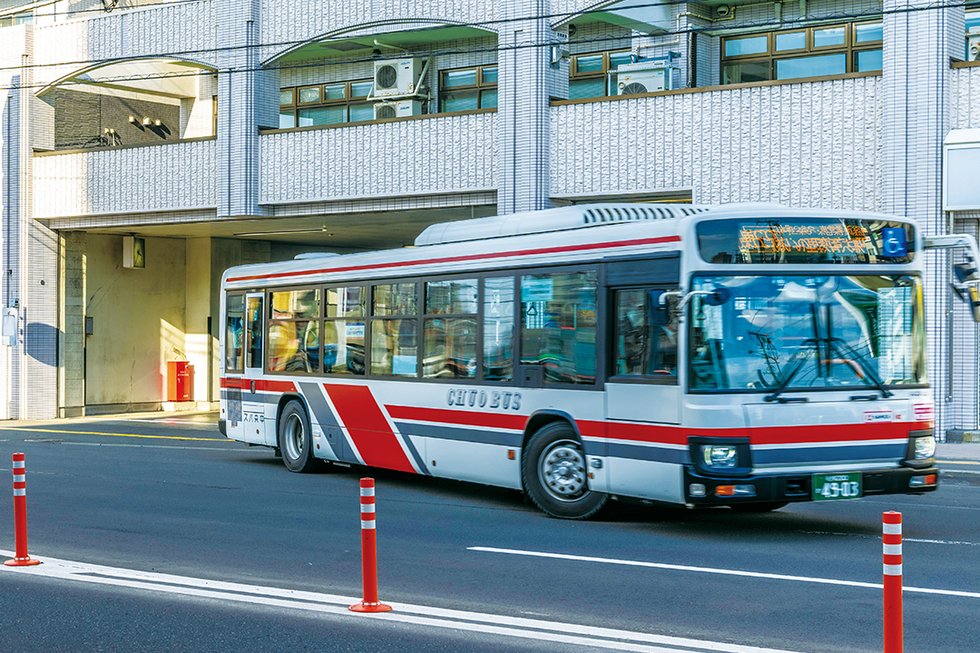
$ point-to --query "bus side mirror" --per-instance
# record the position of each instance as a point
(660, 308)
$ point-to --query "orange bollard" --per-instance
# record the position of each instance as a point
(891, 557)
(21, 558)
(369, 552)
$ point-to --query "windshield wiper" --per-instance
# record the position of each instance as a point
(866, 367)
(796, 363)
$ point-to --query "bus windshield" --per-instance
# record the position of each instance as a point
(794, 332)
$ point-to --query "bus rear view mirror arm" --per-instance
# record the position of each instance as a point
(966, 275)
(715, 297)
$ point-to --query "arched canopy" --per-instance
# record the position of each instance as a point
(174, 78)
(640, 15)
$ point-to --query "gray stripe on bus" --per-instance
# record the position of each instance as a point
(252, 398)
(334, 435)
(461, 435)
(415, 453)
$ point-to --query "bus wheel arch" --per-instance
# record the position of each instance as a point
(554, 469)
(294, 436)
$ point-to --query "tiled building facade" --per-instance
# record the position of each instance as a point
(224, 132)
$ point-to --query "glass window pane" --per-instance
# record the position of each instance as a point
(644, 346)
(322, 116)
(343, 347)
(815, 66)
(489, 74)
(294, 346)
(449, 348)
(395, 299)
(253, 335)
(558, 325)
(456, 78)
(867, 60)
(745, 72)
(866, 32)
(498, 329)
(285, 97)
(309, 94)
(287, 119)
(334, 92)
(361, 89)
(828, 36)
(488, 99)
(588, 63)
(394, 347)
(460, 101)
(361, 112)
(617, 59)
(454, 296)
(743, 45)
(346, 302)
(791, 41)
(234, 333)
(295, 304)
(580, 89)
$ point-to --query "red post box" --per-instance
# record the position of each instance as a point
(180, 381)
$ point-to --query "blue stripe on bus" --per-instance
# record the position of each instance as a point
(829, 454)
(638, 452)
(461, 435)
(253, 397)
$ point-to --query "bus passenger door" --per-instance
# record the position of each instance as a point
(253, 404)
(643, 395)
(233, 365)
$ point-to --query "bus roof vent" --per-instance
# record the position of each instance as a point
(306, 256)
(562, 219)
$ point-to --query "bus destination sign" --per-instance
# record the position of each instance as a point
(805, 240)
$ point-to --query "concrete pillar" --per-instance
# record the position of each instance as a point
(920, 38)
(199, 344)
(71, 378)
(248, 98)
(523, 124)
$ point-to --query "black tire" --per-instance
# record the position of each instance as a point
(556, 476)
(294, 438)
(765, 506)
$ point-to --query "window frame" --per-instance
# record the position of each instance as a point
(574, 74)
(268, 325)
(612, 330)
(480, 86)
(347, 101)
(850, 47)
(241, 368)
(324, 318)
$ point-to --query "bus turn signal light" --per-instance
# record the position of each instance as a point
(923, 481)
(743, 490)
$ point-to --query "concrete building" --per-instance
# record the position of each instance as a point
(190, 135)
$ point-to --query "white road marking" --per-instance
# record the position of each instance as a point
(491, 624)
(904, 539)
(201, 447)
(714, 570)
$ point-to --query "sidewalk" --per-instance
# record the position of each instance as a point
(965, 451)
(110, 417)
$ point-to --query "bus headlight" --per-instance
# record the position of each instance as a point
(719, 456)
(923, 447)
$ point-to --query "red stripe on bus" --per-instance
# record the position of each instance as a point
(461, 417)
(260, 384)
(465, 257)
(359, 412)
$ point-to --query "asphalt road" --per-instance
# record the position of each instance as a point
(468, 568)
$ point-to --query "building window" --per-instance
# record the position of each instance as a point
(468, 89)
(973, 35)
(589, 75)
(801, 53)
(325, 104)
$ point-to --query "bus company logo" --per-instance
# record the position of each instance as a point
(878, 416)
(492, 399)
(923, 412)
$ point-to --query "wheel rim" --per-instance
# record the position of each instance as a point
(293, 436)
(561, 469)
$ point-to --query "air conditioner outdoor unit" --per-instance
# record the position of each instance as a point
(397, 109)
(397, 77)
(973, 47)
(647, 77)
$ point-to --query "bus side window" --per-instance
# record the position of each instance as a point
(234, 333)
(645, 335)
(254, 332)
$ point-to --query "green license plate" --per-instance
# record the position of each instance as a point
(827, 487)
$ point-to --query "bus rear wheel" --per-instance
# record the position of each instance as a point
(294, 438)
(555, 474)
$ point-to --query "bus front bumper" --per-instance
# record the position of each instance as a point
(715, 490)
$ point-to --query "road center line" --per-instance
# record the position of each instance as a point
(116, 435)
(486, 623)
(714, 570)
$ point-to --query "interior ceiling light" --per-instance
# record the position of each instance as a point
(285, 232)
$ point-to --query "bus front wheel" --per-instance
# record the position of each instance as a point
(555, 474)
(295, 441)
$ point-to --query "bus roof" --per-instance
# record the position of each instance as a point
(573, 230)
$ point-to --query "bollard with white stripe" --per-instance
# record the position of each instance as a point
(21, 558)
(891, 557)
(369, 552)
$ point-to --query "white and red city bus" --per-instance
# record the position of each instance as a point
(743, 355)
